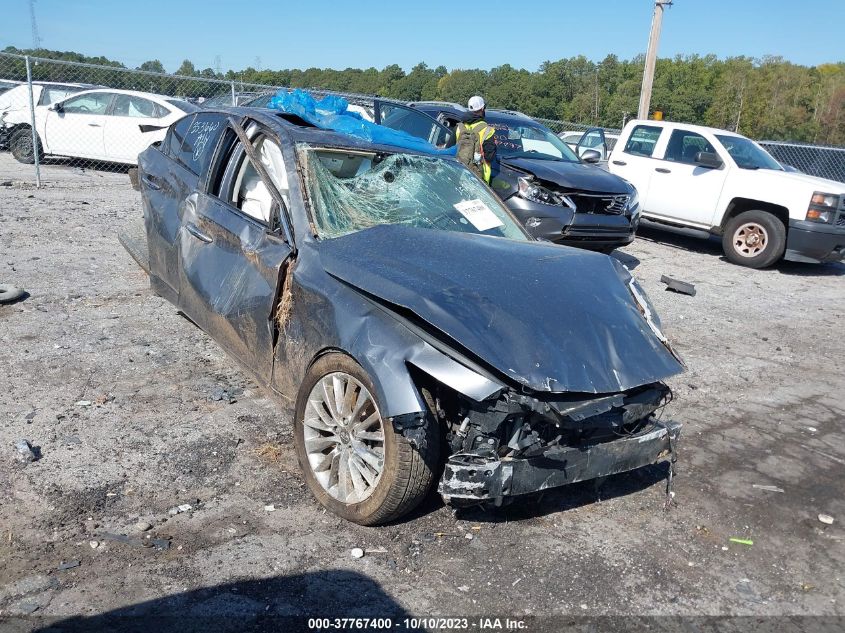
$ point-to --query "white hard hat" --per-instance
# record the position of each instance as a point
(476, 103)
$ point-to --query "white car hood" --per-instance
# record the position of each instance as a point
(788, 178)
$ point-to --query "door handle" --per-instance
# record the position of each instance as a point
(94, 125)
(619, 162)
(194, 230)
(663, 170)
(150, 182)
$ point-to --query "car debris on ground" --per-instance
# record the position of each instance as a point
(676, 285)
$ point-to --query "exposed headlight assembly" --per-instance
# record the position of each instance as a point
(530, 190)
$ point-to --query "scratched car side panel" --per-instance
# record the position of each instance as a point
(166, 186)
(228, 285)
(328, 316)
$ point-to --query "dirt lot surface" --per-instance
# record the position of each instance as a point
(135, 411)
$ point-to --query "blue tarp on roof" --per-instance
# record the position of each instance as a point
(332, 113)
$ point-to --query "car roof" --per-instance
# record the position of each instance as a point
(131, 93)
(303, 132)
(460, 111)
(686, 126)
(22, 85)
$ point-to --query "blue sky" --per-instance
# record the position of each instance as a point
(523, 33)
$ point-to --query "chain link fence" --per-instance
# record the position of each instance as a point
(105, 126)
(816, 160)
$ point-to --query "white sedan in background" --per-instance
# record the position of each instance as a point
(105, 125)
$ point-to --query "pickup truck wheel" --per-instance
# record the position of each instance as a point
(755, 239)
(355, 463)
(21, 146)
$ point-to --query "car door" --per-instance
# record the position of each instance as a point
(413, 122)
(132, 124)
(167, 176)
(593, 139)
(74, 127)
(680, 188)
(635, 163)
(234, 241)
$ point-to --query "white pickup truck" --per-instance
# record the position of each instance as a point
(726, 184)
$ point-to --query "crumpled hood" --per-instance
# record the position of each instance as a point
(571, 175)
(551, 318)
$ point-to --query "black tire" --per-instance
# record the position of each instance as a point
(755, 239)
(10, 293)
(21, 146)
(407, 474)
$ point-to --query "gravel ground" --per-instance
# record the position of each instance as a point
(135, 411)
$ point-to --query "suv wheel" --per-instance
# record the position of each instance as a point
(355, 463)
(756, 239)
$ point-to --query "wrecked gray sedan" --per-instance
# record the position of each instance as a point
(393, 301)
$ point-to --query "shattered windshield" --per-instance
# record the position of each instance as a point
(747, 154)
(351, 191)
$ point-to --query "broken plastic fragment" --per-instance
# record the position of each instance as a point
(678, 286)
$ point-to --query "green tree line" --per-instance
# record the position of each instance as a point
(768, 98)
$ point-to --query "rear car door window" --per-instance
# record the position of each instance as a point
(643, 140)
(172, 144)
(684, 145)
(94, 103)
(131, 106)
(200, 140)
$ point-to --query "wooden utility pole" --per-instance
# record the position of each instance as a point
(651, 57)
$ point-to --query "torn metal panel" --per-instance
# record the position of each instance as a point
(451, 373)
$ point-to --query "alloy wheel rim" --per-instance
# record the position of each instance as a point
(344, 437)
(750, 239)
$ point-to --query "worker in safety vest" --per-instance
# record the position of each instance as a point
(474, 138)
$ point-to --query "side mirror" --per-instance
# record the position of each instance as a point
(591, 156)
(708, 159)
(56, 107)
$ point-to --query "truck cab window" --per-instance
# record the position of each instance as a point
(642, 140)
(684, 145)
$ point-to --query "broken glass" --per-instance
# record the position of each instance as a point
(354, 191)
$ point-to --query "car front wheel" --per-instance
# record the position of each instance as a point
(355, 463)
(21, 146)
(756, 239)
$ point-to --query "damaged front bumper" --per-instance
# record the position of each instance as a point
(562, 225)
(477, 477)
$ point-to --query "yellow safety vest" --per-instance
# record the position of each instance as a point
(485, 133)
